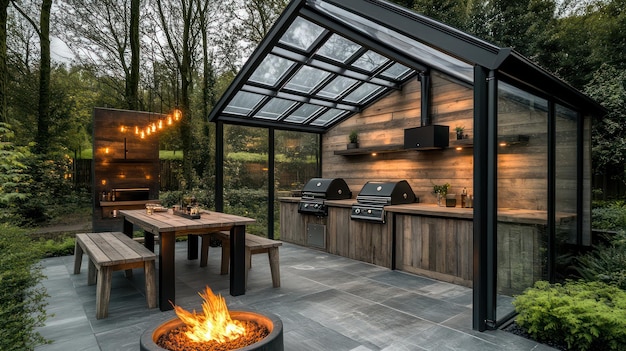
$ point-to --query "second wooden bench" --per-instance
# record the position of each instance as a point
(254, 245)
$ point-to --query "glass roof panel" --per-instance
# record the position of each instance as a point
(435, 58)
(370, 61)
(303, 113)
(396, 71)
(338, 48)
(337, 87)
(243, 103)
(328, 117)
(301, 34)
(274, 109)
(271, 70)
(307, 79)
(362, 93)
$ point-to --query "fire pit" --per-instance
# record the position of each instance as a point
(215, 329)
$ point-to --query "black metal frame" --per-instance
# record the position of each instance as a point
(491, 64)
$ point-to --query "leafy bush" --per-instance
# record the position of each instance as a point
(22, 298)
(60, 246)
(606, 263)
(585, 315)
(609, 215)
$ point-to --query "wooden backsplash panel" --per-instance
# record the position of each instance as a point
(522, 169)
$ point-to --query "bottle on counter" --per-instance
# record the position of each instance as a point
(464, 198)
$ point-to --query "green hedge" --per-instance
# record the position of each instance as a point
(22, 298)
(585, 315)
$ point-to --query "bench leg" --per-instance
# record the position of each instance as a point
(91, 273)
(248, 263)
(78, 257)
(151, 295)
(204, 250)
(274, 266)
(103, 292)
(225, 257)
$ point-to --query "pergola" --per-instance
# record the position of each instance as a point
(326, 60)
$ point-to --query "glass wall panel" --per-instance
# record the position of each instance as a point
(245, 174)
(566, 184)
(522, 188)
(297, 161)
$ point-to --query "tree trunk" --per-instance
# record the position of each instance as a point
(43, 121)
(132, 83)
(4, 4)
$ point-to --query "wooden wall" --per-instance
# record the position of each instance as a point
(383, 124)
(122, 159)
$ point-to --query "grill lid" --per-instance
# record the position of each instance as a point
(387, 193)
(327, 188)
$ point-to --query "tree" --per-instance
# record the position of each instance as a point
(4, 5)
(105, 36)
(43, 116)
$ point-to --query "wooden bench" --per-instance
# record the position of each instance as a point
(113, 251)
(254, 245)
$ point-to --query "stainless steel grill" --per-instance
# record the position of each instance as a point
(374, 196)
(318, 190)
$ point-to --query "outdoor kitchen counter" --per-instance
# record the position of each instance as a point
(427, 209)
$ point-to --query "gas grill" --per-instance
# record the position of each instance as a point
(318, 190)
(374, 196)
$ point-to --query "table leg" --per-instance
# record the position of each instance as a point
(238, 260)
(148, 240)
(167, 291)
(192, 247)
(128, 228)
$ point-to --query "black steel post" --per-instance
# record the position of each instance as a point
(219, 166)
(271, 183)
(238, 260)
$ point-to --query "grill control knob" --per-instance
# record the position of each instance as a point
(306, 205)
(357, 210)
(316, 205)
(369, 211)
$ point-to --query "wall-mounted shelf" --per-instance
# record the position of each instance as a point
(380, 149)
(384, 149)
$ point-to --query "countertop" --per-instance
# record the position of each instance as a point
(508, 215)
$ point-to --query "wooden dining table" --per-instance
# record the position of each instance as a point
(167, 226)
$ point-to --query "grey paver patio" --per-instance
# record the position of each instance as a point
(325, 302)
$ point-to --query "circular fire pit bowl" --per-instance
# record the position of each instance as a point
(272, 342)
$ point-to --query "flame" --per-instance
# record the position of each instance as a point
(214, 323)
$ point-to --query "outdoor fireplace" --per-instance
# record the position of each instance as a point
(215, 328)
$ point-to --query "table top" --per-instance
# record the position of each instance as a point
(163, 222)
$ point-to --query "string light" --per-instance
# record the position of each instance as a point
(154, 127)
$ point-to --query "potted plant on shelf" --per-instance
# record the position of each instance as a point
(441, 191)
(353, 139)
(459, 132)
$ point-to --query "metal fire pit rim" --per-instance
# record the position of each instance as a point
(273, 341)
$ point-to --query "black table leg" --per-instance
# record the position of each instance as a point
(128, 228)
(192, 247)
(167, 291)
(148, 240)
(238, 260)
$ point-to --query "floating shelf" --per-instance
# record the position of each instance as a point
(385, 149)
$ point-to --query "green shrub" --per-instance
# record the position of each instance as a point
(59, 246)
(606, 263)
(22, 298)
(609, 215)
(585, 315)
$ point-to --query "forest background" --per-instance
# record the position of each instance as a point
(157, 55)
